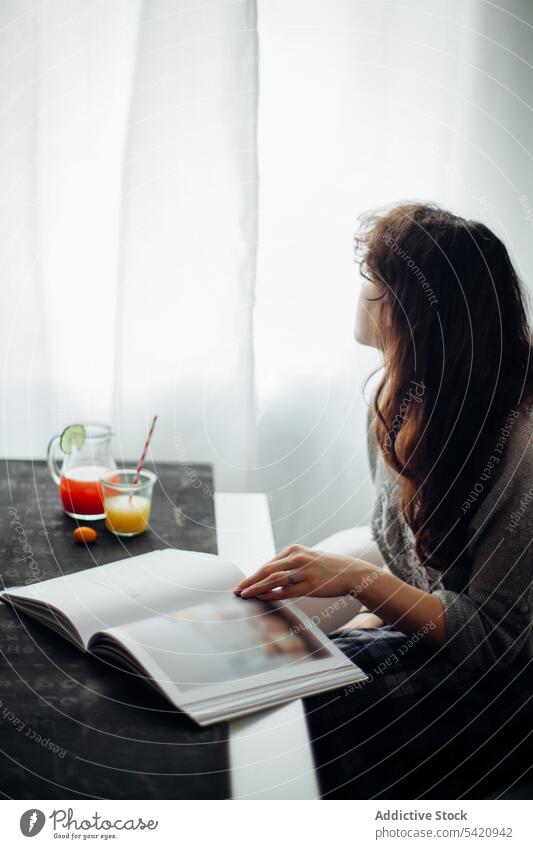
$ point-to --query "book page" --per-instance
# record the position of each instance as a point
(223, 645)
(135, 588)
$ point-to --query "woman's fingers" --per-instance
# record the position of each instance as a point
(273, 565)
(261, 573)
(266, 571)
(277, 579)
(293, 591)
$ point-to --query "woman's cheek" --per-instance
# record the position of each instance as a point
(361, 324)
(366, 329)
(368, 318)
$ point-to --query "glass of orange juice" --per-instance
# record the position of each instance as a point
(127, 501)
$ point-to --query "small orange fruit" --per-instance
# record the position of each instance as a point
(84, 534)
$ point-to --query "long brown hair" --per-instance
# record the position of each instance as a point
(457, 363)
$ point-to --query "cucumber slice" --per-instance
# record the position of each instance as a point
(72, 437)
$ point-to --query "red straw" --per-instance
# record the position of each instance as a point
(138, 470)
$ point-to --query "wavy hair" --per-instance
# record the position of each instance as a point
(457, 361)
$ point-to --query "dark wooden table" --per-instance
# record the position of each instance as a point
(69, 726)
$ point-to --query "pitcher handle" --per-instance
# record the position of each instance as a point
(51, 459)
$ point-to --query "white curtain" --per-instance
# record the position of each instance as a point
(129, 219)
(180, 182)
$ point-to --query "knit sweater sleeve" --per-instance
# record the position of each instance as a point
(489, 624)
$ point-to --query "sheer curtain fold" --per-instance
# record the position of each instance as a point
(187, 270)
(65, 79)
(143, 268)
(129, 213)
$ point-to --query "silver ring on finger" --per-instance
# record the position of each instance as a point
(290, 578)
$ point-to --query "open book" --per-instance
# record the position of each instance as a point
(170, 618)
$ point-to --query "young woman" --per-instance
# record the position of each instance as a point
(446, 636)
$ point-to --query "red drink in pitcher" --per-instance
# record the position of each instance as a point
(86, 457)
(80, 491)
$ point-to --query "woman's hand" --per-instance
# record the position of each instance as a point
(299, 571)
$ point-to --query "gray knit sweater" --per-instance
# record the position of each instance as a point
(489, 622)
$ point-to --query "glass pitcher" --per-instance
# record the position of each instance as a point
(78, 477)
